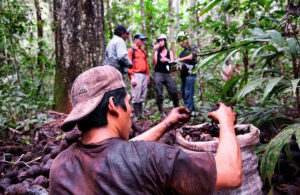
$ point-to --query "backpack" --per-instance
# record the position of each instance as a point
(133, 54)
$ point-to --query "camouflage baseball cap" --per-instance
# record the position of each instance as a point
(88, 90)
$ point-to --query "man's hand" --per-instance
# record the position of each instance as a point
(148, 79)
(224, 114)
(133, 81)
(153, 134)
(177, 114)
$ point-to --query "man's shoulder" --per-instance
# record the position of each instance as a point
(64, 154)
(116, 38)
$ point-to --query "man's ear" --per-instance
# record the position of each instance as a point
(112, 109)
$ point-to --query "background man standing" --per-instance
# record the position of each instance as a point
(189, 59)
(116, 52)
(138, 74)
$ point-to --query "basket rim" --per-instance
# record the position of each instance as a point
(248, 139)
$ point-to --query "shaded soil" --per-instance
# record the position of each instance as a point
(26, 157)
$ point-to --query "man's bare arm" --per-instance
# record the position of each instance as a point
(157, 131)
(228, 157)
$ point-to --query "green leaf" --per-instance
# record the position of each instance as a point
(210, 97)
(241, 43)
(288, 153)
(250, 87)
(269, 47)
(229, 84)
(271, 155)
(207, 60)
(231, 53)
(297, 133)
(273, 150)
(271, 84)
(275, 36)
(260, 148)
(258, 32)
(292, 43)
(295, 84)
(209, 7)
(274, 70)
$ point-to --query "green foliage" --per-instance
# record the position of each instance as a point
(273, 150)
(209, 7)
(25, 86)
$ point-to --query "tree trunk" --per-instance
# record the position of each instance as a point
(109, 18)
(246, 65)
(51, 17)
(193, 22)
(143, 21)
(296, 76)
(40, 33)
(177, 15)
(171, 26)
(79, 44)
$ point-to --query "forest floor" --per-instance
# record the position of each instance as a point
(26, 157)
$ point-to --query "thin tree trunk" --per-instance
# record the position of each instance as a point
(79, 44)
(14, 58)
(246, 65)
(5, 60)
(39, 21)
(177, 15)
(193, 22)
(51, 18)
(109, 18)
(296, 76)
(171, 26)
(143, 21)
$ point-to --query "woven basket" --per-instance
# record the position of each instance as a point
(251, 180)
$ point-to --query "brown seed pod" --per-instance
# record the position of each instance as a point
(72, 136)
(56, 151)
(22, 175)
(41, 181)
(36, 190)
(34, 171)
(4, 183)
(46, 168)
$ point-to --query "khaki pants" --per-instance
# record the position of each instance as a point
(139, 92)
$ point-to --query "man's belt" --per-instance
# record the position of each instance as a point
(142, 72)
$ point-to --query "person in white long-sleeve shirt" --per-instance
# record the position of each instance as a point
(116, 52)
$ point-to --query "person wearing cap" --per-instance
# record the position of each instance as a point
(189, 58)
(162, 75)
(116, 51)
(103, 161)
(138, 75)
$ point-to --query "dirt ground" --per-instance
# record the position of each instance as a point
(26, 157)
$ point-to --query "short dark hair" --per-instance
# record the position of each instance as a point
(119, 30)
(97, 118)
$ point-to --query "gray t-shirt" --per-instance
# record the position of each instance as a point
(116, 54)
(115, 166)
